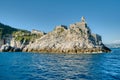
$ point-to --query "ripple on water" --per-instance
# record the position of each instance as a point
(28, 66)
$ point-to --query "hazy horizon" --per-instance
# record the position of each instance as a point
(103, 16)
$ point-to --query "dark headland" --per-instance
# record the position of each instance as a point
(76, 39)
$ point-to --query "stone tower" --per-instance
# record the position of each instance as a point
(82, 19)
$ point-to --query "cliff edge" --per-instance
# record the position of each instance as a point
(78, 38)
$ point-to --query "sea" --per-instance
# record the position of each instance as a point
(46, 66)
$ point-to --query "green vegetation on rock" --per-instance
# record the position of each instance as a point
(5, 29)
(25, 35)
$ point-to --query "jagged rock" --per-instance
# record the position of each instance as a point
(75, 39)
(17, 50)
(18, 44)
(8, 48)
(5, 48)
(15, 43)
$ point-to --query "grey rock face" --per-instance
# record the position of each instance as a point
(17, 44)
(8, 48)
(75, 39)
(5, 48)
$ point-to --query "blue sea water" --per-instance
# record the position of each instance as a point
(29, 66)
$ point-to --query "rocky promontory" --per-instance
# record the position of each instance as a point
(78, 38)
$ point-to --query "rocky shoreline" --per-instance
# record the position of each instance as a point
(7, 48)
(77, 39)
(67, 51)
(77, 51)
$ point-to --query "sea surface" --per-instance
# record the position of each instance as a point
(29, 66)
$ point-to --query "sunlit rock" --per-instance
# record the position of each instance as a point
(78, 38)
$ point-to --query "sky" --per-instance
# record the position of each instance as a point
(102, 16)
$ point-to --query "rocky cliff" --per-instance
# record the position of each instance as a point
(78, 38)
(12, 39)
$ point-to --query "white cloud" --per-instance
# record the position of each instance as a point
(116, 42)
